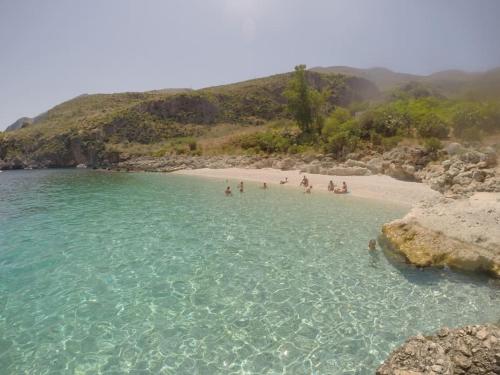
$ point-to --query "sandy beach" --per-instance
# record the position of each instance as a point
(378, 187)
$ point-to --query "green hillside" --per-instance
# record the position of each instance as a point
(253, 117)
(86, 128)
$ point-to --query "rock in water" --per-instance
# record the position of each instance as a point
(458, 233)
(470, 350)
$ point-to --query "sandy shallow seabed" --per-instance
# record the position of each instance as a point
(379, 187)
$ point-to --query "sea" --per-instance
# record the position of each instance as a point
(145, 273)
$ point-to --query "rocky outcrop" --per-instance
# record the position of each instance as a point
(473, 350)
(403, 163)
(464, 172)
(312, 164)
(462, 233)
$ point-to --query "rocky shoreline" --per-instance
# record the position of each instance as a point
(457, 172)
(460, 171)
(470, 350)
(458, 233)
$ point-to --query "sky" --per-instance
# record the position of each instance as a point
(53, 50)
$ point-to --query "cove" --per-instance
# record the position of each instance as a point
(151, 273)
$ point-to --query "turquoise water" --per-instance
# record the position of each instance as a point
(118, 273)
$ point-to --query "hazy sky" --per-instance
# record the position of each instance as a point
(53, 50)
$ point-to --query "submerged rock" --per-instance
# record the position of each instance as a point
(471, 350)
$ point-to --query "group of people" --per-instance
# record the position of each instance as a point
(337, 190)
(331, 186)
(303, 183)
(240, 188)
(307, 190)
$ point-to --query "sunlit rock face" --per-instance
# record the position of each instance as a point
(459, 233)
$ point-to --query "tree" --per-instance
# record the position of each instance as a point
(305, 103)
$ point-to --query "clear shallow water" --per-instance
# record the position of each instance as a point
(144, 273)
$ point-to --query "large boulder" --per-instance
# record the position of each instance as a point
(286, 164)
(454, 148)
(489, 157)
(376, 165)
(405, 172)
(354, 163)
(473, 350)
(472, 157)
(349, 171)
(264, 163)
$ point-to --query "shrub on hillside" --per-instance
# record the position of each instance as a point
(342, 138)
(267, 142)
(432, 126)
(338, 117)
(389, 143)
(432, 145)
(387, 121)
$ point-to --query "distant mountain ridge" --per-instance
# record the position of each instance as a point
(482, 85)
(19, 123)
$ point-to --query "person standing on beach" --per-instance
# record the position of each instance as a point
(331, 186)
(304, 182)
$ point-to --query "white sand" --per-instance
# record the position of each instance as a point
(374, 187)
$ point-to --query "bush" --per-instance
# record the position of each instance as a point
(431, 126)
(467, 117)
(432, 145)
(343, 138)
(268, 142)
(192, 144)
(387, 121)
(472, 134)
(390, 142)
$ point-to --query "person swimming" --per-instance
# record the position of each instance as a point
(228, 191)
(308, 190)
(240, 186)
(331, 186)
(282, 182)
(264, 186)
(372, 244)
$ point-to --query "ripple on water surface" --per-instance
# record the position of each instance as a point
(147, 273)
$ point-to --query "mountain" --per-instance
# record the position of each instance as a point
(20, 123)
(86, 128)
(451, 83)
(383, 78)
